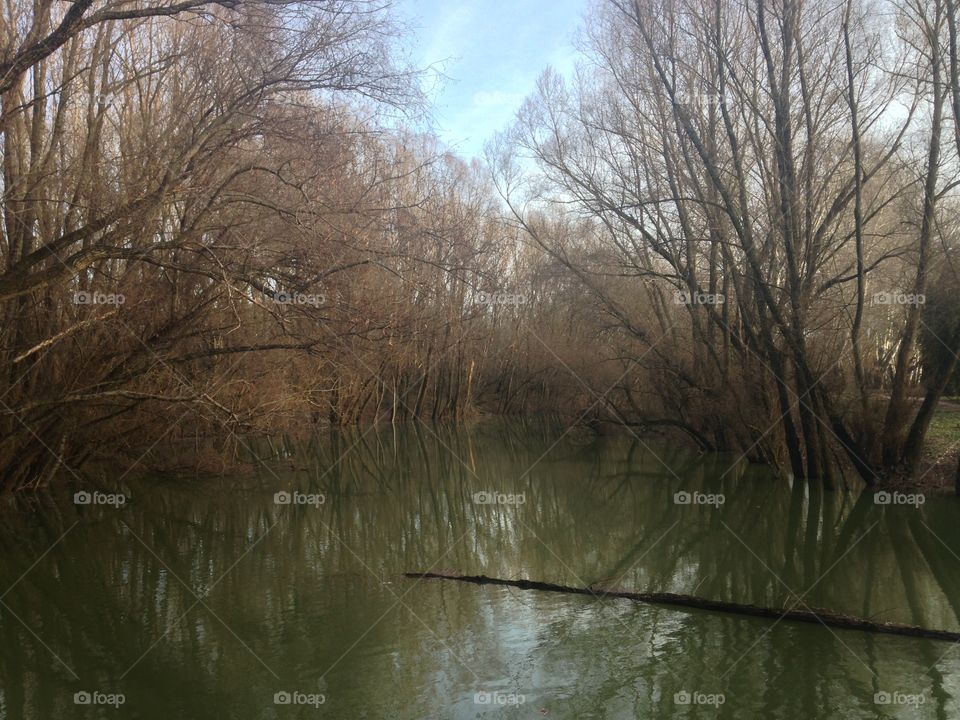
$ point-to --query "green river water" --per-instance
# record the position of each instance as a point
(218, 599)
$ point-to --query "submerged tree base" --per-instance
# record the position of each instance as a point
(819, 616)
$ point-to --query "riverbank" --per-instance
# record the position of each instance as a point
(939, 466)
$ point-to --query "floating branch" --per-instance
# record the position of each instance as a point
(818, 616)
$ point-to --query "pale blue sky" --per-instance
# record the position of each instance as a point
(492, 52)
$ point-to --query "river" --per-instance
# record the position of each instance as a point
(281, 594)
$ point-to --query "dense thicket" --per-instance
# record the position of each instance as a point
(208, 231)
(217, 220)
(758, 200)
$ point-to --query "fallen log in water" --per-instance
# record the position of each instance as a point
(818, 616)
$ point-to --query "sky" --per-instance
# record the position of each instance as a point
(492, 52)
